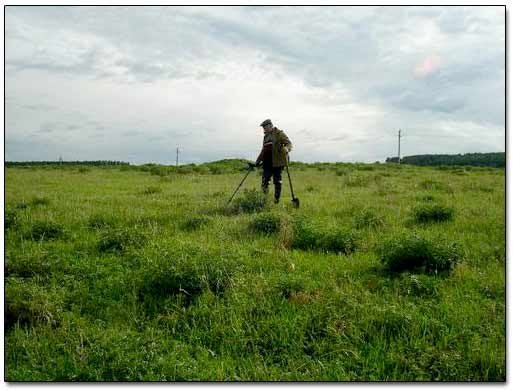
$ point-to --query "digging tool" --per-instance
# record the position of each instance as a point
(295, 201)
(250, 168)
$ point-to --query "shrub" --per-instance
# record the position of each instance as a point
(310, 189)
(120, 239)
(194, 223)
(251, 201)
(40, 201)
(432, 213)
(83, 170)
(152, 190)
(266, 223)
(341, 172)
(46, 230)
(412, 252)
(367, 219)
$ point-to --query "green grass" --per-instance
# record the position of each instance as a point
(145, 273)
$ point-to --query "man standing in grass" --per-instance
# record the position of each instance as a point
(273, 157)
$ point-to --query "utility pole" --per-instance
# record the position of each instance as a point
(399, 149)
(176, 156)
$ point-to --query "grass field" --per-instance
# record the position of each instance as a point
(385, 272)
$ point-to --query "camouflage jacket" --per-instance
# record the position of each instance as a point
(281, 146)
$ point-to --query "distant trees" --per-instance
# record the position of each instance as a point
(61, 162)
(497, 160)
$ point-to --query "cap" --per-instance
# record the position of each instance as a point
(266, 122)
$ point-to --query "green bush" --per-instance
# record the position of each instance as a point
(432, 213)
(46, 230)
(118, 240)
(250, 201)
(266, 223)
(409, 252)
(83, 170)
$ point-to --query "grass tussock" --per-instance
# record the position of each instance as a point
(411, 252)
(432, 212)
(10, 219)
(120, 239)
(39, 201)
(182, 276)
(435, 185)
(102, 221)
(151, 190)
(193, 223)
(266, 223)
(308, 236)
(250, 201)
(46, 230)
(368, 219)
(27, 303)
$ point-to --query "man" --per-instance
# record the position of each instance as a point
(273, 157)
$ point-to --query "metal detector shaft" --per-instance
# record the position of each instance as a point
(247, 173)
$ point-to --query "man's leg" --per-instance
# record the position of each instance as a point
(266, 178)
(277, 183)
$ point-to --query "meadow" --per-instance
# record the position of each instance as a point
(386, 272)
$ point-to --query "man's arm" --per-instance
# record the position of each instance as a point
(260, 157)
(285, 142)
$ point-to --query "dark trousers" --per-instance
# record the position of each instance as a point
(275, 173)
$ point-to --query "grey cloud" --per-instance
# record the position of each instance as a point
(370, 51)
(130, 133)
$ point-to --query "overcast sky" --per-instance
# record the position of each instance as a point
(134, 83)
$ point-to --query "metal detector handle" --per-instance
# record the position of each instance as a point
(247, 173)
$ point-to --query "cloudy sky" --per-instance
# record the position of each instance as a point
(134, 83)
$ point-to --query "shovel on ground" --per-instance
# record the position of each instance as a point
(295, 201)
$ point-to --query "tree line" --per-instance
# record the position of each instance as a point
(39, 163)
(497, 160)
